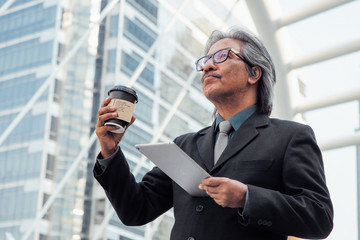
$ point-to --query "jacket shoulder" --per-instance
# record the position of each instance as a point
(287, 124)
(190, 137)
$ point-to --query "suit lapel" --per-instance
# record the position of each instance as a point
(205, 145)
(246, 133)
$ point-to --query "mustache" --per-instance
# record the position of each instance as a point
(215, 75)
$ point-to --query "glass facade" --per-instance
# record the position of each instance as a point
(35, 37)
(151, 46)
(25, 54)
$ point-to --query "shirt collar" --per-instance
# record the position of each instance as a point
(239, 118)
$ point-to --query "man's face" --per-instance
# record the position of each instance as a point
(226, 80)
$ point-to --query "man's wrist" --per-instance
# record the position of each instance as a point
(104, 162)
(108, 153)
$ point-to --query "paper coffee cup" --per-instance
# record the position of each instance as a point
(124, 99)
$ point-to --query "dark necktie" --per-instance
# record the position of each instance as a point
(224, 129)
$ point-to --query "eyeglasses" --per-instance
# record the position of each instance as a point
(218, 57)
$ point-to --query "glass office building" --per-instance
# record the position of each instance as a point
(35, 38)
(58, 59)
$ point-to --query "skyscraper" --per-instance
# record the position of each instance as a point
(35, 38)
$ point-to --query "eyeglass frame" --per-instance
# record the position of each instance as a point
(227, 56)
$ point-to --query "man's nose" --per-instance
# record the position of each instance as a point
(209, 65)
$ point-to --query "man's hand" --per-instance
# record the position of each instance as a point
(225, 192)
(108, 140)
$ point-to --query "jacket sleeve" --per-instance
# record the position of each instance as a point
(136, 203)
(303, 207)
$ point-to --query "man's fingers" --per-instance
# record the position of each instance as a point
(225, 192)
(212, 191)
(103, 117)
(105, 102)
(212, 181)
(106, 112)
(106, 109)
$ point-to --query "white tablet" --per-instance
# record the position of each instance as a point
(173, 161)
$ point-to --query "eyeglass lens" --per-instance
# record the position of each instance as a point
(218, 57)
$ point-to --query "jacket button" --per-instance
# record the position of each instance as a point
(199, 208)
(191, 238)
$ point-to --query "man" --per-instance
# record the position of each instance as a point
(268, 183)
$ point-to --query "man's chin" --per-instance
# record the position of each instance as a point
(212, 95)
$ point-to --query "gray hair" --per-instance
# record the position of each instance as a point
(255, 52)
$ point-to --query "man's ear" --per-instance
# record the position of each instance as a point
(256, 75)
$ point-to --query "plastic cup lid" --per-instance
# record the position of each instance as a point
(124, 89)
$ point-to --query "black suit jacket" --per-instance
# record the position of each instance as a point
(278, 160)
